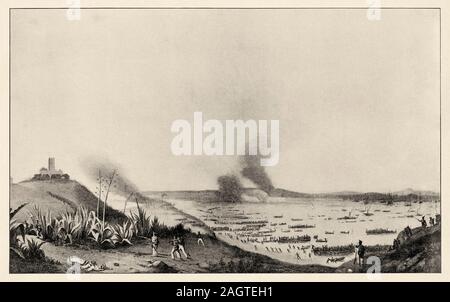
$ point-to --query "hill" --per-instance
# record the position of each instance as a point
(409, 191)
(408, 195)
(58, 196)
(278, 192)
(202, 195)
(420, 253)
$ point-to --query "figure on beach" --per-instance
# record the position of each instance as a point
(200, 239)
(181, 248)
(155, 243)
(360, 250)
(408, 231)
(423, 222)
(175, 248)
(395, 244)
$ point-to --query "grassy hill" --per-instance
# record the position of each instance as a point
(58, 196)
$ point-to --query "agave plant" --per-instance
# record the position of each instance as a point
(102, 233)
(123, 233)
(47, 226)
(68, 227)
(13, 213)
(87, 220)
(31, 249)
(16, 228)
(142, 223)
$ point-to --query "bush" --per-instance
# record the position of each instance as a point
(29, 250)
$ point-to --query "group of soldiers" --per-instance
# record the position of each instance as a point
(178, 246)
(408, 232)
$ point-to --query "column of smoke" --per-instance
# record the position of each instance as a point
(121, 184)
(252, 169)
(230, 188)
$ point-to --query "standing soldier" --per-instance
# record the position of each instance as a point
(181, 247)
(361, 252)
(200, 239)
(155, 243)
(175, 248)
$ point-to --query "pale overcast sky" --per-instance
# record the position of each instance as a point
(357, 100)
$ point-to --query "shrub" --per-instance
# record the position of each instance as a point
(142, 223)
(47, 226)
(123, 233)
(30, 249)
(102, 233)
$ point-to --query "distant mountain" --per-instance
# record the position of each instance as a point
(211, 195)
(416, 192)
(202, 195)
(344, 193)
(278, 192)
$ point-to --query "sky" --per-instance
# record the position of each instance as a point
(357, 100)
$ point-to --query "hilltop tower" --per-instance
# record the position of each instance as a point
(51, 164)
(51, 172)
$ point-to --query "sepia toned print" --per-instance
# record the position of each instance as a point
(225, 141)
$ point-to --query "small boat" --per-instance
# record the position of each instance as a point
(336, 259)
(321, 240)
(346, 218)
(304, 238)
(367, 213)
(380, 231)
(301, 226)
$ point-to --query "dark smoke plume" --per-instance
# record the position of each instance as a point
(230, 188)
(120, 185)
(253, 170)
